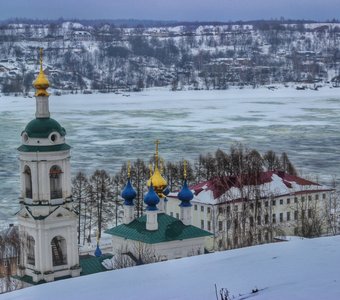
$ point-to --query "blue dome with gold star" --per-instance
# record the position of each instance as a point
(185, 195)
(151, 199)
(129, 193)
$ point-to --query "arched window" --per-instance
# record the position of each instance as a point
(30, 250)
(28, 182)
(55, 182)
(59, 251)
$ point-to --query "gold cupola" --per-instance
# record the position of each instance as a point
(157, 180)
(41, 84)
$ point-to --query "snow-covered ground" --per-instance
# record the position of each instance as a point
(106, 130)
(298, 269)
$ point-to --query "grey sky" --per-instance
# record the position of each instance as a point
(182, 10)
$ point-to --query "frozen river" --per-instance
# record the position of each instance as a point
(107, 129)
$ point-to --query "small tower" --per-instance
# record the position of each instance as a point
(158, 182)
(185, 196)
(129, 194)
(47, 222)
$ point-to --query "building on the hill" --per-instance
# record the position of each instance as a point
(47, 222)
(9, 251)
(242, 211)
(156, 235)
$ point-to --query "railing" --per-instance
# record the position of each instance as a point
(56, 194)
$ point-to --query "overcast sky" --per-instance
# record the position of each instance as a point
(181, 10)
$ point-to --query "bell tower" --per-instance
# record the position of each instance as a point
(47, 222)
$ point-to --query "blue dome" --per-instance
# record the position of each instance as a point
(185, 195)
(98, 252)
(128, 193)
(151, 199)
(166, 191)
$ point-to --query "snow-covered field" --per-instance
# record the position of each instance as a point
(107, 129)
(298, 269)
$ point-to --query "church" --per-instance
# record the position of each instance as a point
(158, 233)
(46, 219)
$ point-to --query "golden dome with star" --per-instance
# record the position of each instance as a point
(41, 84)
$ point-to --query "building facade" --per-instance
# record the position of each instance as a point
(248, 211)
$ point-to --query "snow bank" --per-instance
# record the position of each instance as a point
(298, 269)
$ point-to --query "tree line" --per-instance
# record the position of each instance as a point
(97, 196)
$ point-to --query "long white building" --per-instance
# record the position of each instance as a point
(242, 211)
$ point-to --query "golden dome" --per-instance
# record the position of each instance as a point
(41, 83)
(157, 180)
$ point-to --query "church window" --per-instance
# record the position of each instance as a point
(59, 250)
(28, 182)
(30, 250)
(55, 182)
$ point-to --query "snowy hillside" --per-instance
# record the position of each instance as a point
(298, 269)
(104, 57)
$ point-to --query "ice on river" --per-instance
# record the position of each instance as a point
(105, 130)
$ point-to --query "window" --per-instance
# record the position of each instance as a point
(317, 197)
(281, 217)
(235, 224)
(281, 201)
(171, 214)
(295, 200)
(309, 197)
(259, 237)
(309, 213)
(288, 200)
(228, 209)
(220, 210)
(236, 207)
(259, 204)
(55, 182)
(177, 215)
(258, 220)
(220, 225)
(266, 204)
(228, 224)
(273, 202)
(252, 206)
(323, 196)
(28, 182)
(295, 215)
(195, 207)
(208, 210)
(266, 236)
(274, 218)
(202, 224)
(288, 216)
(202, 208)
(251, 221)
(266, 219)
(209, 225)
(303, 198)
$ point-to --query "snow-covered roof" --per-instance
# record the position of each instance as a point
(269, 183)
(298, 269)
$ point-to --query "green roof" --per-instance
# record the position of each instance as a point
(169, 229)
(28, 148)
(91, 264)
(43, 127)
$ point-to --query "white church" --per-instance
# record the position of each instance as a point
(47, 222)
